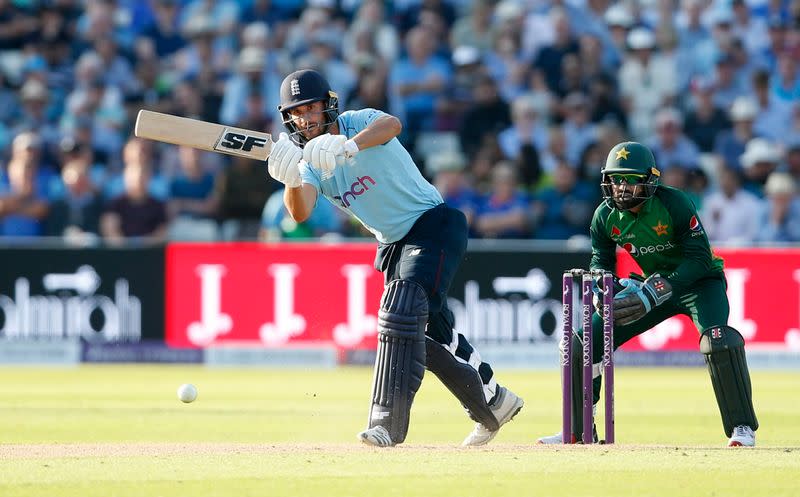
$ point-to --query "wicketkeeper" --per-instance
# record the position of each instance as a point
(659, 227)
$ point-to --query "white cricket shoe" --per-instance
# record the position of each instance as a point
(377, 437)
(553, 439)
(505, 407)
(743, 436)
(556, 439)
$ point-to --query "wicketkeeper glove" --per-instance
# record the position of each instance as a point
(638, 298)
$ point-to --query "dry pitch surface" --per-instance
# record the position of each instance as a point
(120, 431)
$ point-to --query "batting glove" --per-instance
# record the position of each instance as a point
(326, 151)
(284, 161)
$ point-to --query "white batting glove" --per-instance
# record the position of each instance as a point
(284, 160)
(326, 151)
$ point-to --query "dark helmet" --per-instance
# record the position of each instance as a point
(301, 88)
(635, 159)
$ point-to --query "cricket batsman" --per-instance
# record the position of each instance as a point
(356, 161)
(659, 227)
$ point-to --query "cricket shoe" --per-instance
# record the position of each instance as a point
(506, 405)
(557, 439)
(377, 436)
(743, 436)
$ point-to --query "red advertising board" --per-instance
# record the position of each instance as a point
(310, 294)
(271, 295)
(764, 296)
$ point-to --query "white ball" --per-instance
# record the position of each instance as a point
(187, 392)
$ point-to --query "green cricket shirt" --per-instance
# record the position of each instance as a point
(664, 237)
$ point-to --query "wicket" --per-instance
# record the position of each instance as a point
(573, 302)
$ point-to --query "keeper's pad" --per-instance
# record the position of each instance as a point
(400, 363)
(463, 381)
(723, 347)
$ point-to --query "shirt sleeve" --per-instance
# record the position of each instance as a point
(310, 175)
(604, 249)
(689, 234)
(357, 120)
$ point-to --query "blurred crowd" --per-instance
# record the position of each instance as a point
(509, 107)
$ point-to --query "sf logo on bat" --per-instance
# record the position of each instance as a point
(233, 142)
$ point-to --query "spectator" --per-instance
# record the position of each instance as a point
(453, 184)
(76, 216)
(371, 19)
(474, 29)
(23, 204)
(727, 85)
(578, 130)
(416, 82)
(760, 158)
(550, 57)
(487, 114)
(528, 118)
(565, 208)
(164, 33)
(786, 86)
(773, 117)
(730, 144)
(276, 224)
(731, 214)
(670, 146)
(705, 120)
(242, 191)
(646, 82)
(252, 77)
(135, 214)
(192, 193)
(780, 221)
(503, 212)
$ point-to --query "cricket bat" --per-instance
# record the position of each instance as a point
(203, 135)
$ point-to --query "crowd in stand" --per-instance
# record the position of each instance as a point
(509, 107)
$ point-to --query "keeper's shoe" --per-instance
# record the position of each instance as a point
(743, 436)
(556, 439)
(377, 436)
(506, 405)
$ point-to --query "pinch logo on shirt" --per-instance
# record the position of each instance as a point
(359, 187)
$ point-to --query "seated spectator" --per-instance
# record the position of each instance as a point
(780, 221)
(416, 82)
(135, 214)
(253, 76)
(76, 216)
(565, 208)
(276, 223)
(647, 82)
(730, 144)
(549, 60)
(503, 212)
(243, 190)
(774, 115)
(578, 130)
(191, 192)
(729, 214)
(705, 120)
(23, 204)
(786, 87)
(487, 113)
(759, 160)
(670, 146)
(452, 182)
(528, 118)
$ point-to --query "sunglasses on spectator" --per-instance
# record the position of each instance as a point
(629, 179)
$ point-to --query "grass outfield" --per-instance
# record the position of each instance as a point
(120, 431)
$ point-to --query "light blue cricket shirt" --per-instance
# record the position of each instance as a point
(380, 186)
